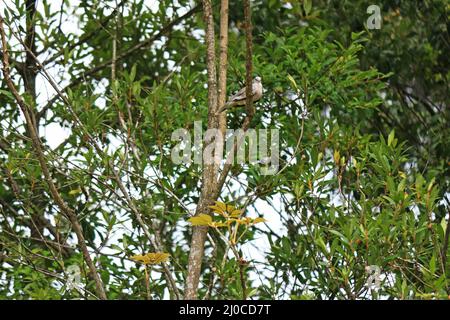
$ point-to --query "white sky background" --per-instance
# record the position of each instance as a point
(55, 134)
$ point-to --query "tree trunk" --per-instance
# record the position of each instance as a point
(209, 170)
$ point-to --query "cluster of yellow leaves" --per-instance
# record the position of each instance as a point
(229, 212)
(151, 258)
(226, 210)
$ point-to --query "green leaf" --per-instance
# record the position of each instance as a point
(74, 191)
(444, 224)
(133, 73)
(292, 81)
(7, 93)
(432, 265)
(307, 5)
(391, 137)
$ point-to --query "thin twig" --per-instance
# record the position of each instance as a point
(83, 39)
(144, 44)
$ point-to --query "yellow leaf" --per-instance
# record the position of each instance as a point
(138, 258)
(201, 220)
(218, 210)
(245, 220)
(258, 220)
(250, 221)
(337, 157)
(152, 258)
(221, 205)
(230, 208)
(230, 221)
(236, 213)
(218, 224)
(74, 192)
(158, 257)
(215, 208)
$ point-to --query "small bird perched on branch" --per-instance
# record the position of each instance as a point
(239, 98)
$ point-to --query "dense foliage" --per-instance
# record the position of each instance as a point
(364, 150)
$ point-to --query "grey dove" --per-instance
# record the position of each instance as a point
(239, 98)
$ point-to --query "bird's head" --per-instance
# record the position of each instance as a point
(258, 79)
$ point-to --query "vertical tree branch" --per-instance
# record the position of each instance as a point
(114, 58)
(147, 282)
(222, 86)
(250, 110)
(37, 145)
(209, 170)
(29, 69)
(114, 67)
(242, 278)
(212, 188)
(223, 62)
(249, 107)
